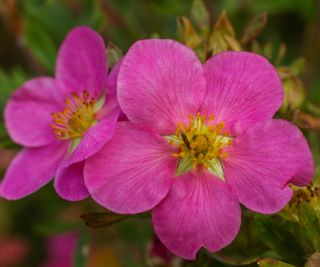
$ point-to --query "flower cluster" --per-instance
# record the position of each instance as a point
(198, 140)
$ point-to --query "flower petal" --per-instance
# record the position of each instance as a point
(94, 139)
(28, 112)
(131, 173)
(69, 183)
(160, 83)
(81, 63)
(31, 169)
(199, 210)
(242, 88)
(261, 162)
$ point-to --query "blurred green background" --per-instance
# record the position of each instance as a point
(31, 32)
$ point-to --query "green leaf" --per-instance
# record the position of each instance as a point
(310, 223)
(200, 15)
(82, 249)
(273, 263)
(276, 235)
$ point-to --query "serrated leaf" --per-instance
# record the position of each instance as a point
(273, 263)
(254, 28)
(200, 15)
(310, 223)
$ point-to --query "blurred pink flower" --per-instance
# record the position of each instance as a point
(62, 121)
(200, 140)
(61, 250)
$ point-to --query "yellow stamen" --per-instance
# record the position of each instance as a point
(75, 118)
(201, 140)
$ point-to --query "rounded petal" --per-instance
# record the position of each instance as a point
(160, 83)
(81, 63)
(28, 112)
(242, 88)
(263, 160)
(199, 210)
(131, 173)
(69, 183)
(94, 139)
(31, 169)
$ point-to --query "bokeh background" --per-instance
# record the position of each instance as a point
(43, 230)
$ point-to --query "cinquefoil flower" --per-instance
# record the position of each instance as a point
(200, 140)
(61, 121)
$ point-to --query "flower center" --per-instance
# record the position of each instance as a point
(76, 118)
(201, 143)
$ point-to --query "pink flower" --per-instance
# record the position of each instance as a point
(200, 140)
(62, 121)
(61, 249)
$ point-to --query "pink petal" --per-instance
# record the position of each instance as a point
(261, 162)
(199, 210)
(69, 183)
(131, 173)
(31, 169)
(94, 139)
(81, 63)
(28, 112)
(242, 88)
(160, 83)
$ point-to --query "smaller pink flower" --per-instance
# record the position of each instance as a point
(199, 142)
(61, 249)
(62, 121)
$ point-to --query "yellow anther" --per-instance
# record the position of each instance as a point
(211, 118)
(200, 141)
(223, 155)
(75, 118)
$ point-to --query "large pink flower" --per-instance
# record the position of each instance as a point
(61, 121)
(200, 140)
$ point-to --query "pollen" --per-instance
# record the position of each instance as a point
(201, 141)
(77, 116)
